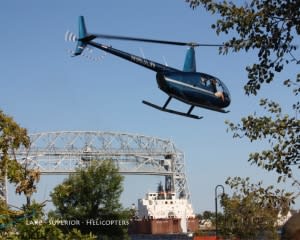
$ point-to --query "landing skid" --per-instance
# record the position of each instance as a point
(165, 109)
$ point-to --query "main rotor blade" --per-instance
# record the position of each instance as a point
(192, 44)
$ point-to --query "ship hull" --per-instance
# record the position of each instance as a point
(161, 226)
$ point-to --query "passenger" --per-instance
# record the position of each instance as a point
(214, 85)
(217, 93)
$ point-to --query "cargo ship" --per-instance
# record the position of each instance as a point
(162, 212)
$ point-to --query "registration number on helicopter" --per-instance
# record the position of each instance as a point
(143, 61)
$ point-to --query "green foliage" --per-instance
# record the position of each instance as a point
(252, 209)
(28, 223)
(77, 235)
(34, 230)
(6, 221)
(268, 26)
(92, 195)
(12, 137)
(31, 223)
(281, 133)
(208, 215)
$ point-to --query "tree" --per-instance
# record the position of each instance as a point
(28, 222)
(269, 28)
(12, 137)
(91, 197)
(31, 223)
(252, 210)
(208, 215)
(282, 134)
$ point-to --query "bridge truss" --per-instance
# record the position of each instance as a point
(64, 152)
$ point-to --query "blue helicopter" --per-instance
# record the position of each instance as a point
(193, 88)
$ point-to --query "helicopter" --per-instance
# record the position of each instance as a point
(196, 89)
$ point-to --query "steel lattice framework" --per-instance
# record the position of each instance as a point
(64, 152)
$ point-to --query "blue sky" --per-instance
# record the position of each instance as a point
(44, 89)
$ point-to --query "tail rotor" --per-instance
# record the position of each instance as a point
(70, 37)
(81, 42)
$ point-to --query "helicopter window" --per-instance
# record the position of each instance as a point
(211, 84)
(215, 86)
(203, 81)
(225, 90)
(207, 83)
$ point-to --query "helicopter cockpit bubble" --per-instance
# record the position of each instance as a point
(221, 87)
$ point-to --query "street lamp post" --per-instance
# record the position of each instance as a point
(216, 204)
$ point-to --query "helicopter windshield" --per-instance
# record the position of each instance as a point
(226, 90)
(221, 87)
(216, 86)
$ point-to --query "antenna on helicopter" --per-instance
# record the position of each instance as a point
(165, 61)
(142, 52)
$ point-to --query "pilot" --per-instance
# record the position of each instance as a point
(217, 93)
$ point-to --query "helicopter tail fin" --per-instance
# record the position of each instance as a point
(82, 34)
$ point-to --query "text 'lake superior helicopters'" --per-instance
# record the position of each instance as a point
(193, 88)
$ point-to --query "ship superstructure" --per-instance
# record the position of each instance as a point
(162, 212)
(164, 205)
